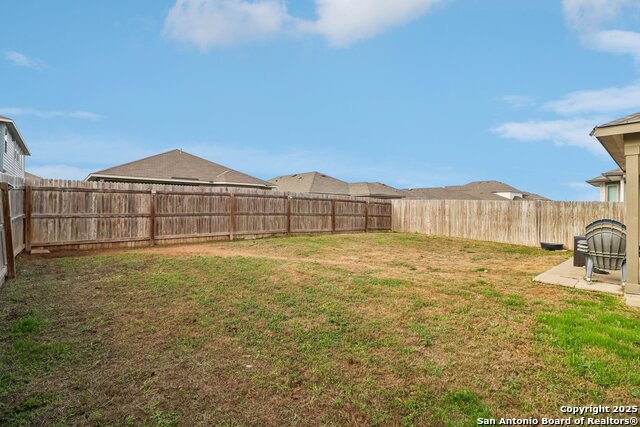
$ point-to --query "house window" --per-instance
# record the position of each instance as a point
(612, 193)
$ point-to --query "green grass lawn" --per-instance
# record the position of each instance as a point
(377, 329)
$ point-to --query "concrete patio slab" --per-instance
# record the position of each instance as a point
(608, 288)
(633, 300)
(567, 275)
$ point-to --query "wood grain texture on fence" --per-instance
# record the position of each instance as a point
(72, 214)
(517, 222)
(4, 254)
(13, 223)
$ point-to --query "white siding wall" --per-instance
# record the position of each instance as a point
(2, 128)
(11, 163)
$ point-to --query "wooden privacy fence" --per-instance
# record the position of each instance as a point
(67, 214)
(517, 222)
(12, 223)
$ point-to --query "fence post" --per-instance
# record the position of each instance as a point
(333, 216)
(232, 209)
(289, 216)
(152, 219)
(538, 207)
(366, 216)
(28, 207)
(8, 237)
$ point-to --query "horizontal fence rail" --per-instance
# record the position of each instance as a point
(518, 222)
(68, 214)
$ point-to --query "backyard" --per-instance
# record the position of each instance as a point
(382, 329)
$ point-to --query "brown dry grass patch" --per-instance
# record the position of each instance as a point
(382, 329)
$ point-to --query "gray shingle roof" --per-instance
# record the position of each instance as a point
(176, 165)
(478, 190)
(484, 187)
(614, 175)
(437, 193)
(311, 182)
(374, 189)
(627, 120)
(319, 183)
(31, 176)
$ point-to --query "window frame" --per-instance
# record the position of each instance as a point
(607, 194)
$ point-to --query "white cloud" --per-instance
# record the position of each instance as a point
(207, 23)
(590, 18)
(18, 111)
(210, 23)
(572, 132)
(589, 15)
(612, 99)
(584, 192)
(519, 101)
(618, 42)
(344, 22)
(22, 60)
(595, 22)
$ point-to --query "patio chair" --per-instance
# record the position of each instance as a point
(605, 247)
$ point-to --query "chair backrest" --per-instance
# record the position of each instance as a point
(607, 241)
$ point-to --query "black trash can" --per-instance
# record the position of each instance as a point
(578, 257)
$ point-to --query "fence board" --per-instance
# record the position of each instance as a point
(4, 269)
(521, 222)
(78, 214)
(12, 226)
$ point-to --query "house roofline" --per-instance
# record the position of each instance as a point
(17, 132)
(605, 179)
(98, 176)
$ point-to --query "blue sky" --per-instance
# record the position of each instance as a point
(411, 93)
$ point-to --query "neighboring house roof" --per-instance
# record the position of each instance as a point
(376, 190)
(177, 167)
(484, 187)
(29, 175)
(311, 182)
(16, 134)
(437, 193)
(478, 190)
(320, 183)
(615, 175)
